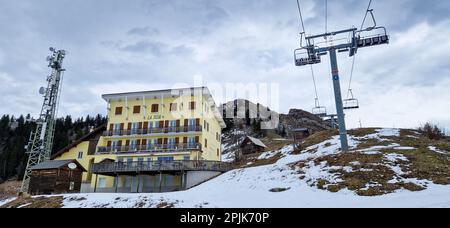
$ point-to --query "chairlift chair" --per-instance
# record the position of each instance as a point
(319, 111)
(306, 56)
(351, 103)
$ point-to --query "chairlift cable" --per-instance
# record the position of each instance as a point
(312, 69)
(301, 16)
(354, 57)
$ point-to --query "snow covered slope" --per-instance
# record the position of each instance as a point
(295, 181)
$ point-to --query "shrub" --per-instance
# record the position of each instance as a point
(432, 131)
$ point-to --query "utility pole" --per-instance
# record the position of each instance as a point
(40, 144)
(312, 52)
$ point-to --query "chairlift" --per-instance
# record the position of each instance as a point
(351, 103)
(306, 56)
(319, 111)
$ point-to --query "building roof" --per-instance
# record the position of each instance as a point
(256, 142)
(56, 164)
(82, 139)
(160, 94)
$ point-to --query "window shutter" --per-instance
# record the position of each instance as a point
(144, 141)
(109, 144)
(122, 125)
(136, 109)
(111, 127)
(197, 122)
(206, 143)
(138, 143)
(119, 110)
(161, 124)
(166, 140)
(127, 143)
(119, 143)
(145, 125)
(197, 139)
(160, 141)
(177, 140)
(185, 140)
(186, 122)
(129, 126)
(140, 125)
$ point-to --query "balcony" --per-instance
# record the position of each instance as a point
(115, 168)
(153, 131)
(167, 148)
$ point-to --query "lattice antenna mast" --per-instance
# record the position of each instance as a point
(40, 144)
(355, 39)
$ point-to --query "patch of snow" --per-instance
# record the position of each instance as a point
(267, 155)
(6, 201)
(395, 157)
(404, 148)
(389, 132)
(435, 149)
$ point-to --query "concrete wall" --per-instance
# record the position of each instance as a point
(194, 178)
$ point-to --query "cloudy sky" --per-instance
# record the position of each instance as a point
(119, 46)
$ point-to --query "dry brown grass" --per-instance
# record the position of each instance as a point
(9, 189)
(40, 202)
(319, 137)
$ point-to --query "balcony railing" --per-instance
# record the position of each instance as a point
(150, 131)
(166, 148)
(115, 168)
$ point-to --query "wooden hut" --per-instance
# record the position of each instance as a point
(56, 177)
(252, 145)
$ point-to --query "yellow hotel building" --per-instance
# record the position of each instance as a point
(154, 141)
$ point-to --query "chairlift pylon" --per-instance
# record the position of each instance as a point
(351, 102)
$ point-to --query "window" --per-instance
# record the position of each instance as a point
(133, 144)
(129, 160)
(115, 145)
(116, 129)
(173, 107)
(136, 109)
(149, 161)
(192, 105)
(134, 128)
(102, 182)
(171, 144)
(165, 159)
(172, 125)
(140, 161)
(206, 143)
(155, 108)
(119, 111)
(186, 158)
(191, 143)
(218, 152)
(80, 155)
